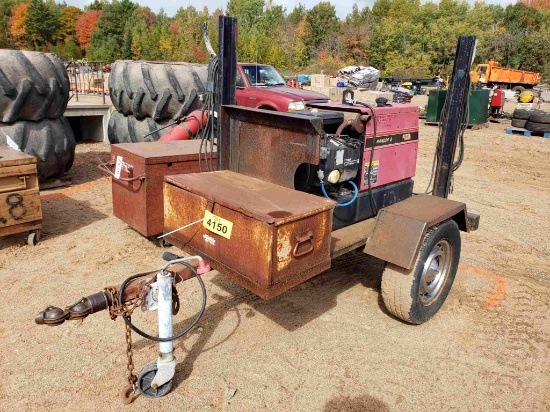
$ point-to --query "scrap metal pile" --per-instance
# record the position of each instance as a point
(359, 76)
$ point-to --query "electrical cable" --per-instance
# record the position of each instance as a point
(353, 199)
(183, 332)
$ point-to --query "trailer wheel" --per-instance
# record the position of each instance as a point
(416, 295)
(518, 89)
(145, 378)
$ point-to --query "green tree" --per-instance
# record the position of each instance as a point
(108, 41)
(42, 22)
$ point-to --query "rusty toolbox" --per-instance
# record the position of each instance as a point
(139, 174)
(265, 237)
(20, 205)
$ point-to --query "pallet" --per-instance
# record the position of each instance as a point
(525, 132)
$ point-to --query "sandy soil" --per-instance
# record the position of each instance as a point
(327, 345)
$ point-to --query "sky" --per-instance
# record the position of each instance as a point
(343, 7)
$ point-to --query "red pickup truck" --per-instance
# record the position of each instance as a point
(262, 87)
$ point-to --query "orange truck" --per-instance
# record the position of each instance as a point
(492, 74)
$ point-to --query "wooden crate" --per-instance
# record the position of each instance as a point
(20, 205)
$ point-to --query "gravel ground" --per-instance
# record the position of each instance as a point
(326, 345)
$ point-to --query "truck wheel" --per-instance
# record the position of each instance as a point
(157, 90)
(524, 114)
(34, 86)
(537, 127)
(518, 89)
(519, 123)
(416, 295)
(540, 117)
(128, 129)
(51, 141)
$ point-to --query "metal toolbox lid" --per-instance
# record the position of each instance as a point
(12, 157)
(267, 202)
(161, 152)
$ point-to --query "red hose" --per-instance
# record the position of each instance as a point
(188, 128)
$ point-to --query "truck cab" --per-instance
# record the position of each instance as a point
(261, 86)
(481, 74)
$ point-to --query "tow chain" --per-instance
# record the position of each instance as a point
(126, 310)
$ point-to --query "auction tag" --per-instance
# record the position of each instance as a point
(217, 224)
(118, 167)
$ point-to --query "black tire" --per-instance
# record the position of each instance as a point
(144, 380)
(518, 89)
(34, 86)
(128, 129)
(50, 141)
(401, 288)
(540, 118)
(524, 114)
(156, 90)
(518, 123)
(537, 127)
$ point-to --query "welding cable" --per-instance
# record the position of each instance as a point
(353, 199)
(369, 172)
(187, 329)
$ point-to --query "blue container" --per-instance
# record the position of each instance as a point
(340, 84)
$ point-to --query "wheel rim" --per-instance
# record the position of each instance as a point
(435, 272)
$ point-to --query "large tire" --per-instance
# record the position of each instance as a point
(524, 114)
(407, 294)
(537, 127)
(128, 129)
(518, 123)
(33, 86)
(156, 90)
(540, 117)
(50, 141)
(518, 89)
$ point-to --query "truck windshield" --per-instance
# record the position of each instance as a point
(482, 69)
(263, 76)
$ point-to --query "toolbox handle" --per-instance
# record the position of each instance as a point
(21, 186)
(303, 240)
(105, 168)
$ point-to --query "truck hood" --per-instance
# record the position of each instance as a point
(296, 94)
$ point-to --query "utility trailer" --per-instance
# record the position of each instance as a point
(293, 192)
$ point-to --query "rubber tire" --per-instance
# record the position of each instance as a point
(156, 90)
(524, 114)
(52, 142)
(519, 89)
(540, 118)
(400, 286)
(519, 123)
(34, 86)
(537, 127)
(128, 129)
(162, 390)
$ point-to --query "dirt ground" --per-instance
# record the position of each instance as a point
(327, 345)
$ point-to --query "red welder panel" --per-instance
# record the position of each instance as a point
(393, 119)
(391, 163)
(498, 98)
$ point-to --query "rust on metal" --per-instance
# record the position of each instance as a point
(399, 228)
(350, 237)
(268, 145)
(137, 194)
(280, 237)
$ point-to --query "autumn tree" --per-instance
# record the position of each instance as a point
(86, 24)
(67, 24)
(18, 27)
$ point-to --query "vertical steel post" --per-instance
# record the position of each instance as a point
(455, 102)
(227, 54)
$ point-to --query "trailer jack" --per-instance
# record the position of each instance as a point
(152, 291)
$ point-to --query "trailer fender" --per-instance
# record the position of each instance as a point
(400, 228)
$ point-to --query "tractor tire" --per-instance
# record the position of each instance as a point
(524, 114)
(518, 123)
(33, 85)
(50, 141)
(416, 295)
(540, 117)
(128, 129)
(537, 127)
(518, 89)
(156, 90)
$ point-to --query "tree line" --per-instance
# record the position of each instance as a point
(399, 37)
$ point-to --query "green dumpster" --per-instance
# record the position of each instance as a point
(479, 106)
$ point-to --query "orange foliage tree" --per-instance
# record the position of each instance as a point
(85, 25)
(539, 4)
(18, 28)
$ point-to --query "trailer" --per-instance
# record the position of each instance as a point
(291, 193)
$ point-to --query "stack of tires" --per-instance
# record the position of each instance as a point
(532, 120)
(150, 95)
(34, 92)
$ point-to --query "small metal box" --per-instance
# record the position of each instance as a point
(279, 237)
(20, 205)
(137, 194)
